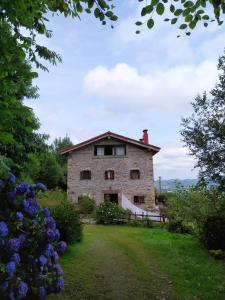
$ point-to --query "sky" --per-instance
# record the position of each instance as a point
(115, 80)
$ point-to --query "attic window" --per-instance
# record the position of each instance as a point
(134, 174)
(139, 199)
(110, 150)
(85, 174)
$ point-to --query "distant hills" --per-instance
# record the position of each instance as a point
(170, 184)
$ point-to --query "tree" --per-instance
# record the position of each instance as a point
(185, 12)
(28, 18)
(204, 132)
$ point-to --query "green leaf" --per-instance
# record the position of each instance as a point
(188, 33)
(143, 11)
(97, 12)
(205, 24)
(205, 17)
(188, 4)
(178, 12)
(154, 2)
(79, 8)
(172, 8)
(160, 9)
(166, 20)
(137, 32)
(174, 21)
(149, 9)
(138, 23)
(150, 23)
(188, 18)
(183, 26)
(192, 24)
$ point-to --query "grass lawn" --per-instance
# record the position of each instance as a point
(121, 262)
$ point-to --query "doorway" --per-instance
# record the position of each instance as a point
(112, 197)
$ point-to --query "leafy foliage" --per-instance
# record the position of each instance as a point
(68, 222)
(204, 132)
(86, 205)
(29, 243)
(188, 13)
(27, 19)
(201, 212)
(109, 213)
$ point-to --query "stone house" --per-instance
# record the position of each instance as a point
(111, 165)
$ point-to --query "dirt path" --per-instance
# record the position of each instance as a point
(112, 264)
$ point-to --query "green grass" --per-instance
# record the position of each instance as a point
(121, 262)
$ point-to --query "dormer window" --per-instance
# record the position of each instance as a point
(110, 150)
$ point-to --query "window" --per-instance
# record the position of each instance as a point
(109, 150)
(109, 175)
(134, 174)
(86, 174)
(120, 150)
(139, 199)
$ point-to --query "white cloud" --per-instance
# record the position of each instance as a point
(169, 89)
(174, 161)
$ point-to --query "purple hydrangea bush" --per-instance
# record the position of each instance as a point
(29, 244)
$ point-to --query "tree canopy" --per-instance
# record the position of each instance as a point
(204, 131)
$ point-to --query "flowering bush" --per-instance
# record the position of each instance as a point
(29, 244)
(109, 213)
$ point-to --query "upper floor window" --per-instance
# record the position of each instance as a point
(109, 150)
(85, 174)
(109, 174)
(139, 199)
(134, 174)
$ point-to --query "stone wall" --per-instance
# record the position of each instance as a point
(135, 158)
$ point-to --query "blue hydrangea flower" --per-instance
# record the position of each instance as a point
(57, 234)
(49, 250)
(30, 206)
(3, 229)
(55, 256)
(19, 216)
(42, 260)
(22, 188)
(58, 269)
(41, 186)
(50, 222)
(46, 212)
(16, 258)
(62, 246)
(31, 193)
(14, 244)
(42, 293)
(22, 290)
(11, 268)
(60, 284)
(50, 234)
(22, 238)
(11, 178)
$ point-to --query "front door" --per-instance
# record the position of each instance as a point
(112, 197)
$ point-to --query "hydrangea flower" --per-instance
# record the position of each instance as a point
(3, 229)
(22, 290)
(11, 179)
(14, 244)
(42, 260)
(19, 216)
(16, 258)
(62, 246)
(28, 247)
(41, 186)
(10, 268)
(22, 188)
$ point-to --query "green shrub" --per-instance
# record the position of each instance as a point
(142, 223)
(213, 232)
(68, 222)
(177, 226)
(86, 205)
(162, 198)
(109, 213)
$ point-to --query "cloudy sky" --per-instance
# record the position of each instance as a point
(113, 79)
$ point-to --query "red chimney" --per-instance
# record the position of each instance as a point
(145, 136)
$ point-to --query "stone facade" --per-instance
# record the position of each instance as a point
(136, 157)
